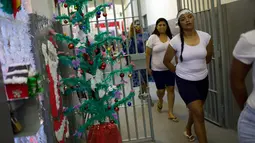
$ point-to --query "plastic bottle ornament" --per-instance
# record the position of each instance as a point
(104, 14)
(65, 5)
(130, 75)
(112, 122)
(122, 75)
(71, 46)
(98, 16)
(85, 56)
(116, 109)
(109, 107)
(129, 103)
(102, 68)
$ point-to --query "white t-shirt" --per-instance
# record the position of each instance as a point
(245, 52)
(158, 52)
(193, 67)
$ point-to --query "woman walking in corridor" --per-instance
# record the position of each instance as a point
(243, 61)
(164, 78)
(194, 50)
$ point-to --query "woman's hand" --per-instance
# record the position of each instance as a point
(149, 72)
(170, 53)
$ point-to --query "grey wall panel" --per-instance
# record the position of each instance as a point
(240, 18)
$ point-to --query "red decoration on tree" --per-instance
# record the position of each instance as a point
(104, 14)
(104, 133)
(91, 62)
(122, 75)
(16, 6)
(98, 16)
(117, 109)
(65, 5)
(109, 107)
(112, 121)
(114, 58)
(71, 46)
(65, 21)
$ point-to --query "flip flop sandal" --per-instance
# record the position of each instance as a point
(159, 107)
(191, 138)
(174, 119)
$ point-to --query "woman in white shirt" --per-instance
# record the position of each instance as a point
(243, 61)
(194, 50)
(164, 78)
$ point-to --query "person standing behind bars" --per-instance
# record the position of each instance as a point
(164, 78)
(194, 50)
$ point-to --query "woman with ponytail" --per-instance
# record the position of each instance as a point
(194, 50)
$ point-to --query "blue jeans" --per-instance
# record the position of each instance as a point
(246, 125)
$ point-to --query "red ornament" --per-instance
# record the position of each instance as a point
(102, 68)
(91, 62)
(65, 5)
(103, 65)
(116, 100)
(112, 121)
(109, 107)
(98, 16)
(114, 58)
(96, 51)
(85, 56)
(122, 75)
(65, 21)
(104, 14)
(116, 109)
(71, 46)
(88, 43)
(82, 14)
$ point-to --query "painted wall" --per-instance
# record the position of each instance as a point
(41, 7)
(154, 9)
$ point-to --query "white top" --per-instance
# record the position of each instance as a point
(193, 67)
(245, 52)
(158, 52)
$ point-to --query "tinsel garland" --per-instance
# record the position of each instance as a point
(15, 40)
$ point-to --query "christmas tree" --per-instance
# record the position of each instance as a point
(89, 62)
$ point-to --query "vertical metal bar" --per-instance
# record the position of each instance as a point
(197, 13)
(193, 9)
(224, 61)
(135, 40)
(184, 3)
(144, 47)
(188, 5)
(217, 54)
(179, 5)
(133, 20)
(200, 15)
(123, 90)
(204, 17)
(209, 17)
(134, 110)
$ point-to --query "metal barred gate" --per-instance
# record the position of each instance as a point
(208, 18)
(135, 122)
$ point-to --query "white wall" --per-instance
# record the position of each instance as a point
(155, 9)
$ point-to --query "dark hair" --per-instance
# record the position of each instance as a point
(181, 36)
(168, 30)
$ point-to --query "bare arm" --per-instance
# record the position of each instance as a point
(170, 53)
(209, 50)
(148, 57)
(238, 73)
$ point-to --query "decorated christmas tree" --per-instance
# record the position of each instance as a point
(89, 61)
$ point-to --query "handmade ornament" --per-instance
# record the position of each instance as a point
(105, 14)
(129, 103)
(65, 5)
(16, 6)
(104, 133)
(16, 81)
(71, 46)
